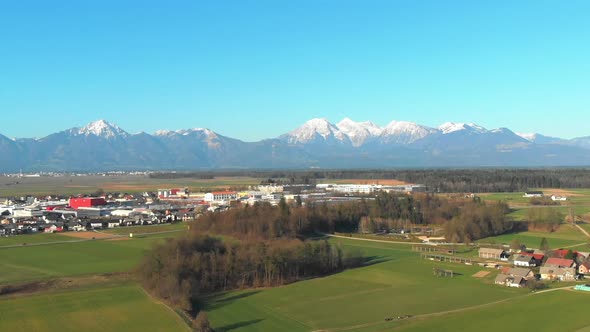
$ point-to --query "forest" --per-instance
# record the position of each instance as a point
(438, 180)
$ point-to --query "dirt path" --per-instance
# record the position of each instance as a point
(582, 230)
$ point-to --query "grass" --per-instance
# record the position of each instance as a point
(397, 283)
(147, 229)
(74, 185)
(563, 311)
(115, 308)
(28, 263)
(565, 236)
(33, 238)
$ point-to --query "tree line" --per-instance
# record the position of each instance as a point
(438, 180)
(462, 219)
(184, 270)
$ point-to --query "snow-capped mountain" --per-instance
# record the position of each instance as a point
(540, 139)
(403, 132)
(316, 131)
(451, 127)
(102, 146)
(100, 128)
(359, 132)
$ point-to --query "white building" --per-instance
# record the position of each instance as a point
(558, 198)
(217, 196)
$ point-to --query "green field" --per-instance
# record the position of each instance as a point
(74, 185)
(398, 283)
(566, 235)
(29, 263)
(113, 308)
(147, 229)
(33, 239)
(552, 311)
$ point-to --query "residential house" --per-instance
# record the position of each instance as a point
(533, 194)
(559, 262)
(510, 281)
(558, 273)
(522, 272)
(525, 260)
(584, 268)
(491, 253)
(537, 256)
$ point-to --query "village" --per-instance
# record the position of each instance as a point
(55, 214)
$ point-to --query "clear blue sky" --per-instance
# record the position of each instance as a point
(257, 69)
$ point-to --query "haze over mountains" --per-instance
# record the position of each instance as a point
(102, 146)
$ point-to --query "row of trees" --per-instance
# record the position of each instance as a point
(463, 219)
(439, 180)
(183, 270)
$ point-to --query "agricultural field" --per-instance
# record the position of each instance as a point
(114, 308)
(27, 239)
(567, 235)
(28, 263)
(74, 185)
(397, 283)
(505, 316)
(147, 229)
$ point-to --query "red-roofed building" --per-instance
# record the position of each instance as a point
(560, 253)
(87, 202)
(584, 268)
(559, 262)
(538, 257)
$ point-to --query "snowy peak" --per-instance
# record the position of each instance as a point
(186, 132)
(101, 128)
(528, 136)
(316, 130)
(451, 127)
(359, 132)
(405, 132)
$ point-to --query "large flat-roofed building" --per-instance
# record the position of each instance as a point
(87, 202)
(220, 196)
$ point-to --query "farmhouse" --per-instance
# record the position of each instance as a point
(559, 262)
(526, 274)
(538, 257)
(510, 281)
(558, 198)
(533, 194)
(558, 273)
(525, 260)
(584, 268)
(491, 253)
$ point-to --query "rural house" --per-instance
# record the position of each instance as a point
(529, 194)
(584, 268)
(509, 281)
(559, 262)
(526, 274)
(524, 260)
(491, 253)
(558, 273)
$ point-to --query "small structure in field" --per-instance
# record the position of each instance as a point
(438, 272)
(491, 253)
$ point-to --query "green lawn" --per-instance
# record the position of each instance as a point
(115, 308)
(29, 263)
(398, 283)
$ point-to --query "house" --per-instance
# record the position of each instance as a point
(533, 194)
(113, 224)
(538, 257)
(584, 268)
(522, 272)
(558, 198)
(525, 260)
(559, 262)
(557, 273)
(491, 253)
(95, 224)
(509, 281)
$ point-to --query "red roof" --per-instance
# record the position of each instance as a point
(560, 253)
(536, 256)
(560, 262)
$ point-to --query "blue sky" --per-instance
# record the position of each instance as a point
(257, 69)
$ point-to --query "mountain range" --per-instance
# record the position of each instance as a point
(102, 146)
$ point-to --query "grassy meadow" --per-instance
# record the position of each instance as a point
(113, 308)
(397, 283)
